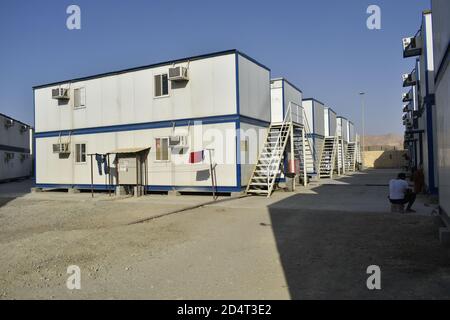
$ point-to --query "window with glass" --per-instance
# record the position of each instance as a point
(80, 153)
(162, 149)
(79, 96)
(161, 85)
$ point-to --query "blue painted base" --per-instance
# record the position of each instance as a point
(100, 187)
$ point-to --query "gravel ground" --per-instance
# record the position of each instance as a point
(241, 249)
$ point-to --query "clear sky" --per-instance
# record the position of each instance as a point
(322, 46)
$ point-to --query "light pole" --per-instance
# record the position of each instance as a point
(363, 105)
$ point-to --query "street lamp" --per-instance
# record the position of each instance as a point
(363, 105)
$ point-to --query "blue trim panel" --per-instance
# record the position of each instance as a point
(288, 82)
(148, 188)
(154, 125)
(15, 120)
(13, 149)
(140, 126)
(34, 137)
(168, 63)
(315, 100)
(193, 189)
(256, 122)
(238, 127)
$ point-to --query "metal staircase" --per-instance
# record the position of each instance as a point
(328, 158)
(267, 169)
(306, 155)
(351, 157)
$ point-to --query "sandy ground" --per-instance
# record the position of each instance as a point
(312, 244)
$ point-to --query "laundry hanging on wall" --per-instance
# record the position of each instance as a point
(102, 163)
(196, 157)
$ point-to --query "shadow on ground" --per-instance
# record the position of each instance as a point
(325, 253)
(14, 189)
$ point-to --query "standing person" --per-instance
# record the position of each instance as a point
(400, 193)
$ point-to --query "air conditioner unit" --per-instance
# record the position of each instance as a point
(409, 79)
(412, 46)
(407, 107)
(178, 141)
(178, 74)
(62, 148)
(407, 97)
(9, 123)
(60, 94)
(8, 156)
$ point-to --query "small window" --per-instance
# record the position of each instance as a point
(161, 85)
(79, 96)
(80, 153)
(162, 149)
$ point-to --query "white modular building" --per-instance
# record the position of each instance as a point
(330, 122)
(315, 124)
(420, 112)
(15, 149)
(351, 132)
(343, 140)
(160, 126)
(283, 95)
(441, 36)
(286, 97)
(328, 164)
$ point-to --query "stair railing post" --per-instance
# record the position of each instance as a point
(305, 175)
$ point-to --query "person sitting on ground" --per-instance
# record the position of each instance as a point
(400, 193)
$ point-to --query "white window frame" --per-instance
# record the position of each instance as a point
(82, 98)
(154, 86)
(168, 150)
(85, 153)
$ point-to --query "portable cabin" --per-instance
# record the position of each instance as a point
(192, 124)
(286, 154)
(315, 124)
(441, 35)
(328, 155)
(343, 139)
(330, 122)
(352, 148)
(421, 124)
(15, 149)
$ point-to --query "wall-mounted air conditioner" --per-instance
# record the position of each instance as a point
(178, 74)
(412, 46)
(178, 142)
(408, 96)
(9, 123)
(61, 148)
(8, 156)
(407, 107)
(60, 94)
(409, 79)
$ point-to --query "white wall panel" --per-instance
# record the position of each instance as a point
(254, 90)
(129, 97)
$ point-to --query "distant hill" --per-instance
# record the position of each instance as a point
(391, 140)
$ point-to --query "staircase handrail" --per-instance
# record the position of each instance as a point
(307, 133)
(277, 146)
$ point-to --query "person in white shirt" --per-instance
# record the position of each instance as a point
(401, 193)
